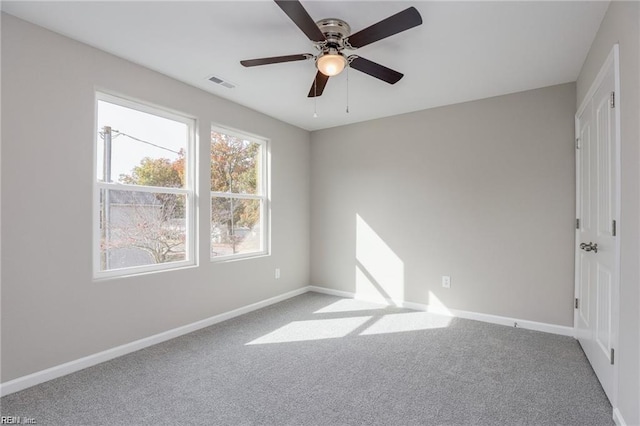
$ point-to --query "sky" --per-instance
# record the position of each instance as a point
(126, 153)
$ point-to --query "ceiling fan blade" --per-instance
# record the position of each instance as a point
(376, 70)
(298, 14)
(275, 60)
(318, 85)
(395, 24)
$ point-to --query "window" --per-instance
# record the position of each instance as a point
(144, 202)
(238, 195)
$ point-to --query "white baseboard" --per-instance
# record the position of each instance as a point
(494, 319)
(38, 377)
(617, 418)
(332, 292)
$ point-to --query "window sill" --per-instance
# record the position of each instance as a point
(238, 257)
(130, 273)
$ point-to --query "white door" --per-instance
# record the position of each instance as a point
(597, 249)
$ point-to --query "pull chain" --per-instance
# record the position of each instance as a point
(348, 88)
(315, 98)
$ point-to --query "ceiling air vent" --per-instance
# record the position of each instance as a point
(221, 82)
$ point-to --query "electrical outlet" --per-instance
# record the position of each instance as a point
(277, 273)
(446, 281)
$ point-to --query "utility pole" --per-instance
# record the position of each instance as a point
(106, 205)
(233, 225)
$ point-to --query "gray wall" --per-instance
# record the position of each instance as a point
(52, 311)
(482, 191)
(621, 25)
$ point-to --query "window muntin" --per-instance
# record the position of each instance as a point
(144, 189)
(238, 195)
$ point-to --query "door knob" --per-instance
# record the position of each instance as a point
(589, 246)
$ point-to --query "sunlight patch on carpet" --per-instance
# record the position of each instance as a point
(300, 331)
(350, 305)
(414, 321)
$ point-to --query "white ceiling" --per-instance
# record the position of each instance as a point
(462, 51)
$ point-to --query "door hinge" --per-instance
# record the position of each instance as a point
(577, 223)
(577, 304)
(612, 355)
(612, 100)
(614, 229)
(577, 143)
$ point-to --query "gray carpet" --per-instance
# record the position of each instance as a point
(322, 360)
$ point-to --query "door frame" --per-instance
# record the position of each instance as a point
(612, 59)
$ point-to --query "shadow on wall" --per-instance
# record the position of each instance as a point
(380, 272)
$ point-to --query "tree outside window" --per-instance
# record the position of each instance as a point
(237, 195)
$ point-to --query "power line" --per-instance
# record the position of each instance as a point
(147, 142)
(141, 140)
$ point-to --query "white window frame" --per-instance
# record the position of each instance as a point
(262, 194)
(189, 191)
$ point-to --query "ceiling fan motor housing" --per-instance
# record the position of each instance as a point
(335, 30)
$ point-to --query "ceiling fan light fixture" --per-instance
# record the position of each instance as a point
(331, 64)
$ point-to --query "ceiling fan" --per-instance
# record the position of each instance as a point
(332, 36)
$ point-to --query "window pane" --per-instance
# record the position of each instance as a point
(145, 149)
(141, 228)
(235, 164)
(235, 226)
